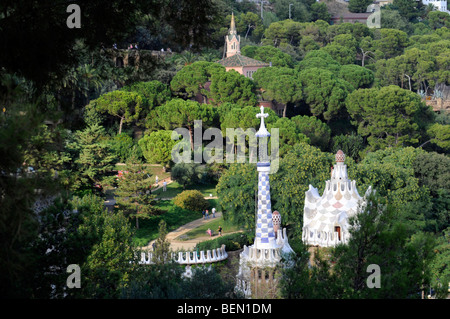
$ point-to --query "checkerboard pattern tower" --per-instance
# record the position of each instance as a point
(265, 234)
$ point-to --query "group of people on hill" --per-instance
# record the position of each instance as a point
(135, 47)
(164, 183)
(219, 230)
(205, 213)
(130, 47)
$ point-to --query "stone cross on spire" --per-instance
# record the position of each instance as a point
(262, 114)
(262, 132)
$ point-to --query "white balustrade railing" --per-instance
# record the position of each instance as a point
(323, 239)
(244, 287)
(190, 257)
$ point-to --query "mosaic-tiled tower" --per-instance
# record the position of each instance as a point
(258, 262)
(325, 218)
(265, 234)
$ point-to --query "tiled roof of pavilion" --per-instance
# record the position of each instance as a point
(241, 60)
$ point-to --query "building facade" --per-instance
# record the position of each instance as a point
(233, 59)
(325, 218)
(438, 4)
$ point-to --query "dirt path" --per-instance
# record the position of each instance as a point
(172, 236)
(187, 244)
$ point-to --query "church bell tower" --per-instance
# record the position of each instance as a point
(232, 40)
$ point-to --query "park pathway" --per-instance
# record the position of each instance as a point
(172, 236)
(187, 244)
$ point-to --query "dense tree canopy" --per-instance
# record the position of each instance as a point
(124, 105)
(357, 76)
(289, 135)
(70, 110)
(157, 147)
(178, 113)
(390, 42)
(192, 79)
(232, 87)
(280, 84)
(272, 55)
(237, 194)
(153, 93)
(318, 132)
(389, 116)
(288, 190)
(319, 59)
(411, 10)
(358, 5)
(324, 93)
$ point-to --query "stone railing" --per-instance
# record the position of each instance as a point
(323, 239)
(191, 257)
(244, 286)
(261, 257)
(266, 257)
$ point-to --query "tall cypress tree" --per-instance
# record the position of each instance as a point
(94, 158)
(133, 192)
(161, 253)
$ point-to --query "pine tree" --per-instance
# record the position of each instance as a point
(110, 262)
(94, 158)
(133, 192)
(161, 253)
(358, 5)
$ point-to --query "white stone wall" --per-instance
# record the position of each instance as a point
(439, 5)
(191, 257)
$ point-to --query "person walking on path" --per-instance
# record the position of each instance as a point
(207, 214)
(214, 212)
(156, 180)
(209, 232)
(220, 230)
(164, 186)
(204, 214)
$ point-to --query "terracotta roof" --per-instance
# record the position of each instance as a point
(241, 60)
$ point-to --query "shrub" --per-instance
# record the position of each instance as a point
(191, 200)
(123, 147)
(187, 174)
(232, 242)
(352, 145)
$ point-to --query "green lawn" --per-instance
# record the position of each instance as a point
(213, 225)
(154, 170)
(173, 189)
(174, 218)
